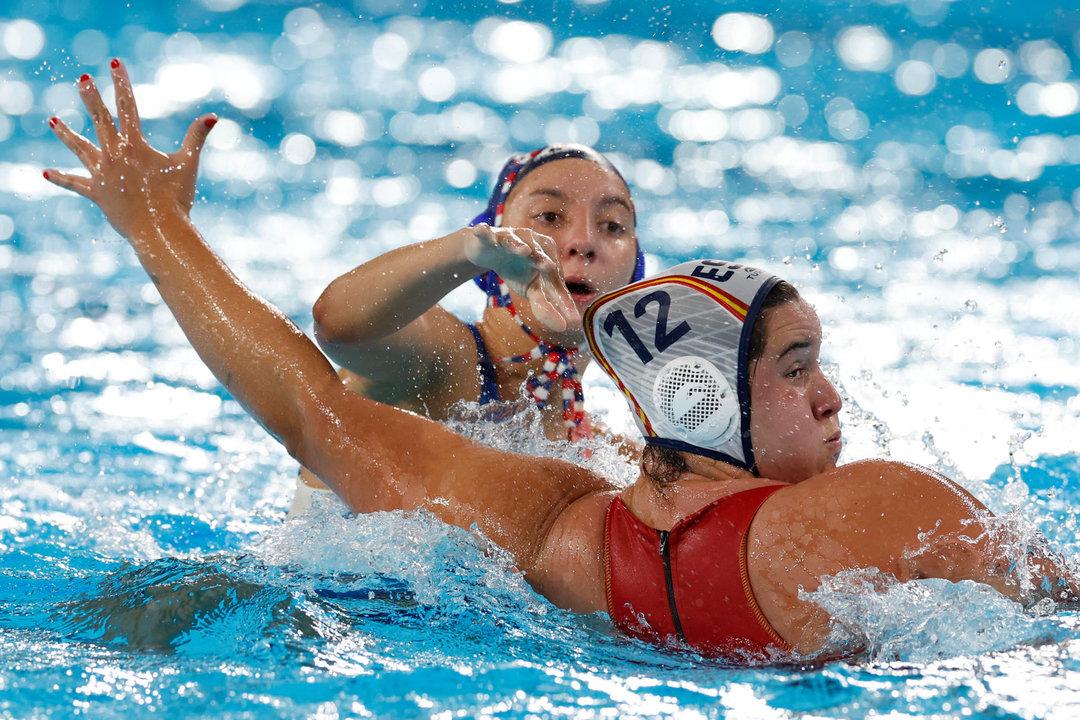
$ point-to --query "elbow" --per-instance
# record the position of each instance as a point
(326, 330)
(332, 327)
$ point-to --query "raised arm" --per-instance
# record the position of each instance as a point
(381, 316)
(251, 347)
(374, 456)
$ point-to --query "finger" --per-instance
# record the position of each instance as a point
(530, 245)
(541, 246)
(99, 114)
(196, 136)
(551, 302)
(544, 310)
(75, 183)
(85, 150)
(126, 110)
(556, 292)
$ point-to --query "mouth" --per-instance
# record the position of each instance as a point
(580, 289)
(835, 443)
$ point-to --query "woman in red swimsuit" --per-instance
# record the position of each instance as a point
(722, 369)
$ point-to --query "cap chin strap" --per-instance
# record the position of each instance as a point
(559, 368)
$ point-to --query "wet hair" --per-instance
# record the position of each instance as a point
(664, 465)
(781, 294)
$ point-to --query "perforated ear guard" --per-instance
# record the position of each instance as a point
(676, 346)
(696, 401)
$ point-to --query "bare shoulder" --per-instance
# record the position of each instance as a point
(860, 515)
(873, 488)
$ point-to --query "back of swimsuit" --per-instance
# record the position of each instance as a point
(489, 390)
(689, 583)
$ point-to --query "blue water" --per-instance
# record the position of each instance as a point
(912, 165)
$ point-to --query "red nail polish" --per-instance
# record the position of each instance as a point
(210, 122)
(46, 174)
(53, 121)
(84, 78)
(115, 63)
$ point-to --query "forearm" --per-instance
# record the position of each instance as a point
(252, 348)
(387, 293)
(256, 352)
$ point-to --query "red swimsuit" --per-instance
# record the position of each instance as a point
(691, 582)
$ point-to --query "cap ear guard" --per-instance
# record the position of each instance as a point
(696, 401)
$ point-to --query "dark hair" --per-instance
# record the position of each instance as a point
(664, 465)
(781, 294)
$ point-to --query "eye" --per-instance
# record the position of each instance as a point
(614, 228)
(795, 373)
(547, 216)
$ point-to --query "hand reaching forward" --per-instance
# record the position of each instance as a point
(526, 261)
(129, 180)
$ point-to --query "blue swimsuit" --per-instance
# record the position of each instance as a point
(489, 391)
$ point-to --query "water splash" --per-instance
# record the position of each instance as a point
(923, 621)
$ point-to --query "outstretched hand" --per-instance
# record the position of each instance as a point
(129, 180)
(527, 262)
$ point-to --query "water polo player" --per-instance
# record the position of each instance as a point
(558, 231)
(739, 506)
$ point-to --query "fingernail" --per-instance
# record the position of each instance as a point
(53, 121)
(85, 78)
(45, 174)
(210, 122)
(115, 63)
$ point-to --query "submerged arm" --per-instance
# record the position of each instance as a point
(947, 533)
(971, 543)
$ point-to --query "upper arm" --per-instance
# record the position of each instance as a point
(377, 457)
(914, 523)
(425, 357)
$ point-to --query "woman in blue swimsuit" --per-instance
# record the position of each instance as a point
(559, 230)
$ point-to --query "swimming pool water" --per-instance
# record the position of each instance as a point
(912, 165)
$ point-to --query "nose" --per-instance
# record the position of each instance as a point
(827, 402)
(579, 240)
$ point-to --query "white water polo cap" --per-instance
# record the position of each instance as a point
(676, 345)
